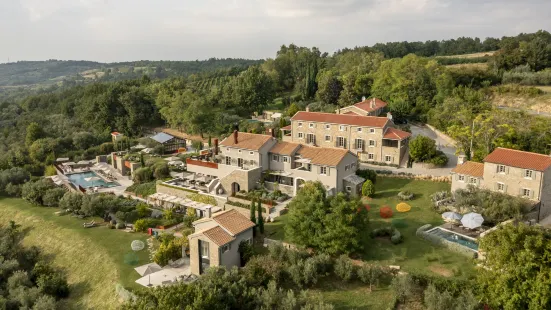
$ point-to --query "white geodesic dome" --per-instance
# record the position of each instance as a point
(137, 245)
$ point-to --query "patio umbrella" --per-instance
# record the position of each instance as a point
(451, 216)
(152, 269)
(472, 220)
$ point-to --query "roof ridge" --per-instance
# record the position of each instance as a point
(521, 151)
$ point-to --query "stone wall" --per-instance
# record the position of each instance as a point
(286, 189)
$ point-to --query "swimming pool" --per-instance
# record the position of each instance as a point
(454, 237)
(89, 179)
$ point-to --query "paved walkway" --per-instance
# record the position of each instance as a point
(418, 169)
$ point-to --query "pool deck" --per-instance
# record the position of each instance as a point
(474, 233)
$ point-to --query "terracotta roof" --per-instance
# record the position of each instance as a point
(218, 235)
(519, 159)
(233, 221)
(289, 127)
(114, 133)
(351, 113)
(249, 141)
(396, 134)
(471, 168)
(322, 155)
(367, 104)
(284, 148)
(355, 120)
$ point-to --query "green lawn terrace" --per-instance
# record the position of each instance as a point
(414, 253)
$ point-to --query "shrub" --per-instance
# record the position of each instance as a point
(440, 159)
(405, 195)
(143, 175)
(370, 274)
(403, 207)
(262, 269)
(203, 199)
(393, 233)
(403, 287)
(368, 189)
(367, 174)
(120, 226)
(53, 284)
(396, 237)
(385, 212)
(50, 171)
(434, 300)
(142, 225)
(344, 269)
(246, 251)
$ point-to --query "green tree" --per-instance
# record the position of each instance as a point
(333, 218)
(516, 258)
(422, 148)
(53, 196)
(50, 171)
(71, 201)
(34, 132)
(260, 217)
(292, 110)
(368, 188)
(329, 87)
(252, 209)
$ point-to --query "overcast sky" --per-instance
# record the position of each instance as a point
(124, 30)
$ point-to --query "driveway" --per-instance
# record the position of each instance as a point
(419, 169)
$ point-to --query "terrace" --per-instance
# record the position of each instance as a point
(192, 181)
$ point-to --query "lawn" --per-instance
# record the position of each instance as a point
(414, 254)
(95, 259)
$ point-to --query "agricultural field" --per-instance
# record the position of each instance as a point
(473, 55)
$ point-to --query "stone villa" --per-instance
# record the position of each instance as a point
(516, 173)
(367, 107)
(242, 161)
(371, 138)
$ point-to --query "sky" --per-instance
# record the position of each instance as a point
(126, 30)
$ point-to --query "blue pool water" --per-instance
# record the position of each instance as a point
(80, 179)
(453, 237)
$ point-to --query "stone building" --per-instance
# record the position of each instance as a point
(367, 107)
(513, 172)
(216, 240)
(372, 139)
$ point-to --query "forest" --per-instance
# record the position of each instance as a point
(208, 98)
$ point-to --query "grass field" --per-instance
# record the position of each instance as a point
(473, 55)
(95, 259)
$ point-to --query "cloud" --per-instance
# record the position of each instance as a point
(118, 30)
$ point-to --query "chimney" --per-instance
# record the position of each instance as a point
(235, 136)
(363, 98)
(215, 146)
(209, 212)
(461, 159)
(373, 103)
(307, 108)
(272, 132)
(389, 115)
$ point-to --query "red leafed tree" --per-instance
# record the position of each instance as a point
(385, 212)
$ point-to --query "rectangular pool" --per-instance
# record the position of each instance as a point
(454, 237)
(89, 179)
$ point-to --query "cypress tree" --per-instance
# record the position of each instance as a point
(253, 218)
(260, 218)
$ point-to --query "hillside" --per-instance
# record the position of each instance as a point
(536, 99)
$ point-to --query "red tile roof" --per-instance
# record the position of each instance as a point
(245, 140)
(218, 235)
(371, 104)
(284, 148)
(519, 159)
(351, 113)
(233, 221)
(322, 155)
(287, 128)
(396, 134)
(355, 120)
(470, 168)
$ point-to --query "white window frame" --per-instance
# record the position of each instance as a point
(371, 143)
(327, 127)
(528, 174)
(275, 157)
(300, 135)
(360, 145)
(359, 129)
(501, 186)
(205, 249)
(371, 156)
(285, 159)
(299, 124)
(342, 128)
(387, 157)
(340, 139)
(461, 178)
(323, 170)
(251, 153)
(371, 130)
(239, 151)
(526, 190)
(311, 125)
(347, 167)
(501, 169)
(327, 136)
(473, 180)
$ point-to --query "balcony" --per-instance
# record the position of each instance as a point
(201, 163)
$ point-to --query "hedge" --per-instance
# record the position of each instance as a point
(452, 246)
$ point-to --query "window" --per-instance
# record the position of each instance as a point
(349, 189)
(239, 151)
(500, 187)
(228, 149)
(359, 144)
(500, 169)
(311, 138)
(371, 156)
(342, 128)
(327, 127)
(347, 167)
(340, 141)
(528, 174)
(371, 130)
(240, 162)
(327, 138)
(251, 153)
(204, 249)
(461, 178)
(353, 166)
(311, 125)
(323, 170)
(472, 181)
(300, 135)
(388, 158)
(525, 192)
(359, 129)
(228, 160)
(371, 142)
(226, 248)
(285, 159)
(275, 157)
(300, 124)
